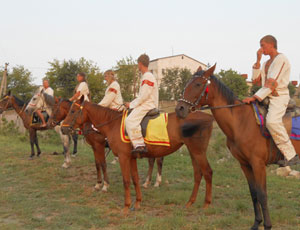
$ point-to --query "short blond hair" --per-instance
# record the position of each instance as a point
(270, 39)
(144, 59)
(110, 73)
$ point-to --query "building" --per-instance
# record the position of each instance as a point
(159, 65)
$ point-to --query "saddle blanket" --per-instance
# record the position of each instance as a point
(295, 133)
(156, 133)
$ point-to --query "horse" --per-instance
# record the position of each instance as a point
(41, 100)
(108, 122)
(244, 138)
(11, 101)
(97, 141)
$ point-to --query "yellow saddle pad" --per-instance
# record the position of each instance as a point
(156, 133)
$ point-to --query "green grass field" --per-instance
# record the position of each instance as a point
(39, 194)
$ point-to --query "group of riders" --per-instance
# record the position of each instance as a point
(273, 76)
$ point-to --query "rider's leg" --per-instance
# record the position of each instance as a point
(39, 113)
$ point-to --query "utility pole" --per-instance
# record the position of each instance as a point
(4, 82)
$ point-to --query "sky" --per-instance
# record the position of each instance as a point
(34, 32)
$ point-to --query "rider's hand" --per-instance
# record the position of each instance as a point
(127, 104)
(259, 54)
(249, 99)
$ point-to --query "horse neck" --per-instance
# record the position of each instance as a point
(99, 115)
(20, 110)
(225, 117)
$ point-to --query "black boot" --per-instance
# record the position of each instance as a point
(139, 152)
(294, 161)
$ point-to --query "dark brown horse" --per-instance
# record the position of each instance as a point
(10, 101)
(244, 138)
(109, 121)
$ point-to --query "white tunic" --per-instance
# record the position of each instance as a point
(148, 94)
(113, 97)
(279, 71)
(49, 91)
(84, 90)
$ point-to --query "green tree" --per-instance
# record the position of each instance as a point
(128, 77)
(235, 82)
(62, 77)
(173, 83)
(19, 82)
(292, 89)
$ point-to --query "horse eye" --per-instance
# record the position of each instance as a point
(72, 111)
(34, 99)
(198, 84)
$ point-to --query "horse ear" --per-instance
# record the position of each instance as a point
(56, 99)
(199, 68)
(9, 93)
(210, 71)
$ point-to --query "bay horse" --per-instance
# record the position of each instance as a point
(97, 141)
(244, 138)
(11, 101)
(108, 122)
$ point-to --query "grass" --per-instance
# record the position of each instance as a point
(39, 194)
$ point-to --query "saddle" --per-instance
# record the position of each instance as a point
(37, 120)
(152, 114)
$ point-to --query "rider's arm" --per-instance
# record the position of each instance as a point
(109, 97)
(279, 66)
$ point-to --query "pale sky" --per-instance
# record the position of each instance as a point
(34, 32)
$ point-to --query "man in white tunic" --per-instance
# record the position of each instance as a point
(274, 77)
(81, 89)
(48, 90)
(113, 97)
(147, 100)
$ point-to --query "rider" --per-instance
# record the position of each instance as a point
(146, 101)
(113, 97)
(274, 76)
(81, 89)
(48, 90)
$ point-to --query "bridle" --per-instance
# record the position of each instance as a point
(79, 113)
(6, 105)
(193, 105)
(54, 113)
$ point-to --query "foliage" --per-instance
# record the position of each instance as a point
(62, 77)
(19, 82)
(254, 89)
(8, 128)
(235, 82)
(128, 77)
(173, 83)
(292, 89)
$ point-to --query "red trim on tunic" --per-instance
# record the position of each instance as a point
(150, 83)
(112, 90)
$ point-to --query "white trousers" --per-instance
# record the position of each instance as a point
(277, 109)
(133, 126)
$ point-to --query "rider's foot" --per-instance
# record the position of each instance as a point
(44, 125)
(294, 161)
(139, 151)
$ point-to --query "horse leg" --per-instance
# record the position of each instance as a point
(149, 174)
(125, 168)
(159, 162)
(32, 134)
(97, 154)
(251, 182)
(75, 140)
(135, 179)
(37, 145)
(104, 168)
(65, 139)
(201, 168)
(259, 170)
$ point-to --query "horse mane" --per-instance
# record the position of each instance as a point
(224, 90)
(19, 101)
(106, 109)
(49, 99)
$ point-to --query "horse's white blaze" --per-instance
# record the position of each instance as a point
(147, 182)
(158, 180)
(105, 186)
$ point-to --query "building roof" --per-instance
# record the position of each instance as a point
(177, 56)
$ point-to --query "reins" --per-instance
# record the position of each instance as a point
(217, 107)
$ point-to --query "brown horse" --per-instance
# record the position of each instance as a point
(109, 122)
(10, 101)
(244, 138)
(97, 141)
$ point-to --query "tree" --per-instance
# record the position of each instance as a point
(19, 82)
(62, 77)
(235, 82)
(128, 77)
(173, 83)
(291, 87)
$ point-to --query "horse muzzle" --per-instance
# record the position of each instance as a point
(182, 110)
(67, 130)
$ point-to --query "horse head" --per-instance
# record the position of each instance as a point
(195, 93)
(60, 110)
(36, 102)
(5, 102)
(76, 117)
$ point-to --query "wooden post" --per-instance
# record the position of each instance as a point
(4, 82)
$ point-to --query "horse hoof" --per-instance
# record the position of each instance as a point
(97, 187)
(31, 157)
(65, 165)
(126, 211)
(189, 204)
(38, 155)
(157, 185)
(55, 153)
(206, 205)
(74, 155)
(146, 184)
